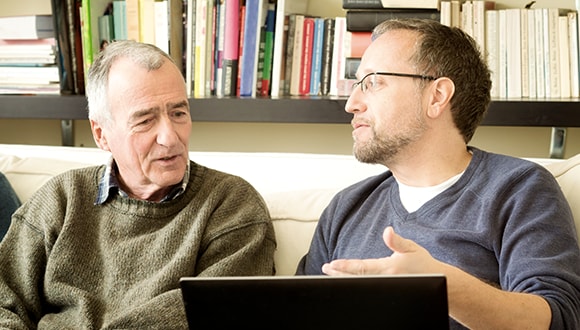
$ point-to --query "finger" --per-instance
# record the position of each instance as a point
(396, 242)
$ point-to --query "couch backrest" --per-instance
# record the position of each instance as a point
(296, 187)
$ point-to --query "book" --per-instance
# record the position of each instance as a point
(339, 53)
(296, 61)
(61, 25)
(564, 60)
(328, 46)
(513, 53)
(189, 12)
(147, 21)
(106, 30)
(283, 9)
(249, 55)
(27, 27)
(289, 53)
(539, 44)
(231, 47)
(502, 54)
(306, 56)
(268, 50)
(445, 13)
(531, 45)
(492, 44)
(574, 54)
(132, 19)
(359, 41)
(219, 47)
(120, 19)
(317, 45)
(376, 4)
(161, 24)
(176, 32)
(366, 20)
(200, 48)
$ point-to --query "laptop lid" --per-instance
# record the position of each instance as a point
(316, 302)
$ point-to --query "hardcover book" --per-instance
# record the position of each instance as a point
(366, 20)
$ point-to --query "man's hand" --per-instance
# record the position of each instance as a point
(408, 258)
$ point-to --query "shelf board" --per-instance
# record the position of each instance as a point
(324, 110)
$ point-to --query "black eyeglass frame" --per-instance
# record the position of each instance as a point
(396, 74)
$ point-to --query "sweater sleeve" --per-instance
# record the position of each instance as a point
(239, 238)
(22, 250)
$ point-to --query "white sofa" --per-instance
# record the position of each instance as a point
(296, 187)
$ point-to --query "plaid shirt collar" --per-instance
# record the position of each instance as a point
(109, 185)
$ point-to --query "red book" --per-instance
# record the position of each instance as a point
(306, 63)
(359, 41)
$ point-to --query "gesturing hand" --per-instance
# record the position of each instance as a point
(408, 258)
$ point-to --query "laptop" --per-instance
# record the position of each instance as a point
(316, 302)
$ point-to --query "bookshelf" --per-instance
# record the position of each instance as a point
(321, 110)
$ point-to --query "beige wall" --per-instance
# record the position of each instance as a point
(308, 138)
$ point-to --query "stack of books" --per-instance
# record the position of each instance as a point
(362, 16)
(28, 55)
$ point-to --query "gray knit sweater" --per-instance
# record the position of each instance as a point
(67, 263)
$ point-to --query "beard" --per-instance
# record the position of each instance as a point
(382, 148)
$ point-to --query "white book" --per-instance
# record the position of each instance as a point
(467, 17)
(478, 8)
(532, 71)
(492, 43)
(513, 53)
(200, 48)
(540, 62)
(426, 4)
(445, 13)
(190, 46)
(502, 51)
(337, 70)
(564, 61)
(161, 10)
(574, 54)
(525, 59)
(147, 21)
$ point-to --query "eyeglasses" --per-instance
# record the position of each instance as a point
(369, 81)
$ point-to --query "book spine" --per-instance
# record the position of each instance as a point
(280, 36)
(327, 56)
(231, 47)
(289, 53)
(317, 45)
(250, 47)
(119, 20)
(200, 36)
(366, 20)
(219, 52)
(132, 10)
(87, 35)
(297, 56)
(362, 4)
(306, 64)
(268, 51)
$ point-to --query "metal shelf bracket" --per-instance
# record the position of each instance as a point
(558, 142)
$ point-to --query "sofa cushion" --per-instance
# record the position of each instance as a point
(294, 215)
(567, 173)
(28, 174)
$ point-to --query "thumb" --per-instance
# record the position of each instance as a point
(397, 243)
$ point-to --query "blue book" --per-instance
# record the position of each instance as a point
(249, 56)
(317, 45)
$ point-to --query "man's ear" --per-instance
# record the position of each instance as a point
(99, 136)
(441, 92)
